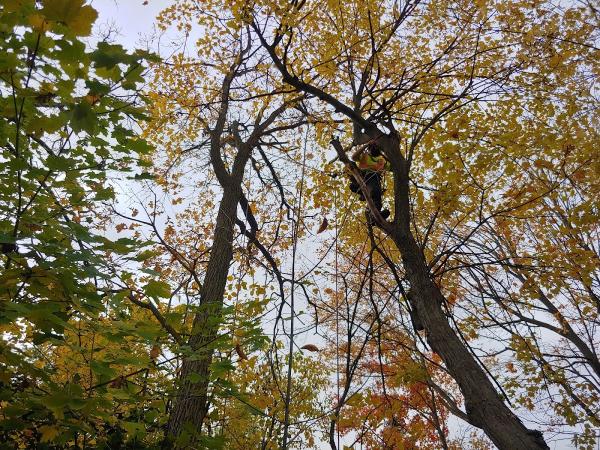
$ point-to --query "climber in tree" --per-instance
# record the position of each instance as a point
(372, 164)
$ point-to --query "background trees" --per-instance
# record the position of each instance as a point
(227, 290)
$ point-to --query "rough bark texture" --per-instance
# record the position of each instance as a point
(484, 406)
(191, 403)
(190, 406)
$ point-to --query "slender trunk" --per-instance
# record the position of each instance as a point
(190, 406)
(191, 403)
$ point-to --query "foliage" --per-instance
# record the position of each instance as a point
(66, 132)
(254, 416)
(112, 202)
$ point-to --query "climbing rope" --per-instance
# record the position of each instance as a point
(337, 315)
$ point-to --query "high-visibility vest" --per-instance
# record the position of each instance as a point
(373, 163)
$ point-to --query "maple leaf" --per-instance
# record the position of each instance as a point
(72, 13)
(323, 225)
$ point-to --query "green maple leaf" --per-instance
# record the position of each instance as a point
(73, 14)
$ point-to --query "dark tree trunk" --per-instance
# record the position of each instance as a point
(484, 405)
(191, 404)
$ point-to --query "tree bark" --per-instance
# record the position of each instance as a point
(483, 404)
(190, 406)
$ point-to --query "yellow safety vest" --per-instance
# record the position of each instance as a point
(373, 163)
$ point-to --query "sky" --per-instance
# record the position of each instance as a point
(133, 19)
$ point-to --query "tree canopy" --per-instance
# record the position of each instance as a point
(193, 256)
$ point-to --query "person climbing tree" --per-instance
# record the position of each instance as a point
(372, 165)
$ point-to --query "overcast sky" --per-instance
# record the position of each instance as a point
(133, 20)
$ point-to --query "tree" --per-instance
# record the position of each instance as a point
(66, 136)
(456, 60)
(262, 117)
(208, 279)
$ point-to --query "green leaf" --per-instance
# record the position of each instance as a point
(102, 369)
(146, 254)
(82, 233)
(7, 238)
(133, 76)
(58, 163)
(57, 400)
(104, 193)
(121, 246)
(83, 118)
(108, 55)
(220, 368)
(157, 289)
(144, 176)
(120, 394)
(140, 146)
(8, 61)
(97, 87)
(46, 124)
(73, 14)
(134, 429)
(70, 50)
(194, 378)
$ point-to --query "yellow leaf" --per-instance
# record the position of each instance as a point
(38, 22)
(49, 432)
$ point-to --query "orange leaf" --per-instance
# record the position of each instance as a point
(323, 226)
(155, 352)
(310, 348)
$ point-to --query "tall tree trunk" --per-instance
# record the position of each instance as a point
(190, 406)
(484, 405)
(191, 403)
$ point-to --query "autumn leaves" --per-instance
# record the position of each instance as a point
(162, 230)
